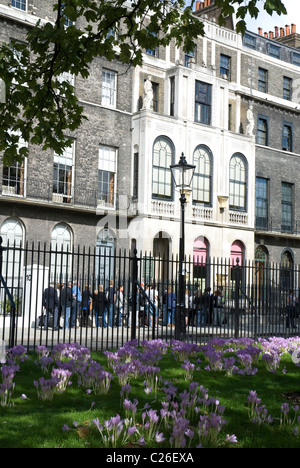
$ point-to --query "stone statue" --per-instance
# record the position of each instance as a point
(148, 94)
(250, 121)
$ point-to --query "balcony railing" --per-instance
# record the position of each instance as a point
(76, 196)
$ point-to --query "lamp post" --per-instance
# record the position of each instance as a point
(182, 174)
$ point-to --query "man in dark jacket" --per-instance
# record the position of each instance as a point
(66, 303)
(50, 304)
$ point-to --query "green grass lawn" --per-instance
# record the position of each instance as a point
(33, 423)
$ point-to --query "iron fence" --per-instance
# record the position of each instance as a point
(102, 299)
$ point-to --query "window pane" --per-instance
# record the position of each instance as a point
(286, 207)
(109, 84)
(20, 4)
(107, 175)
(203, 103)
(237, 183)
(161, 174)
(202, 176)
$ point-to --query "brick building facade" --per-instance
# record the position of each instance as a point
(111, 186)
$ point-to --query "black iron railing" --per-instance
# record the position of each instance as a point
(221, 300)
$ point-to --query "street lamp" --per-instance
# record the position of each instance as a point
(182, 174)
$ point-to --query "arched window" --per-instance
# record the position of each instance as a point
(163, 157)
(238, 183)
(12, 234)
(61, 259)
(202, 176)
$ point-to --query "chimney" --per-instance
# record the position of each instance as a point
(266, 35)
(294, 29)
(281, 32)
(260, 31)
(287, 29)
(276, 31)
(271, 35)
(205, 3)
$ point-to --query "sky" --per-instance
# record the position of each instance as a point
(268, 22)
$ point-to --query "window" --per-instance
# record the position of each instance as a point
(135, 175)
(68, 22)
(189, 56)
(287, 137)
(274, 51)
(107, 176)
(296, 58)
(237, 183)
(262, 203)
(63, 176)
(225, 67)
(163, 157)
(262, 80)
(20, 4)
(109, 88)
(262, 131)
(155, 89)
(249, 41)
(286, 207)
(172, 95)
(202, 176)
(287, 88)
(61, 256)
(203, 103)
(12, 234)
(13, 178)
(153, 52)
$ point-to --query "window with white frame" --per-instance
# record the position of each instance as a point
(163, 157)
(237, 183)
(61, 253)
(19, 4)
(12, 235)
(107, 168)
(109, 88)
(202, 176)
(13, 177)
(63, 175)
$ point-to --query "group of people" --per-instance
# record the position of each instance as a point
(68, 302)
(201, 308)
(108, 306)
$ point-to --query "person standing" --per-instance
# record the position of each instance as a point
(66, 303)
(50, 304)
(120, 305)
(86, 301)
(76, 301)
(99, 306)
(111, 299)
(171, 305)
(290, 309)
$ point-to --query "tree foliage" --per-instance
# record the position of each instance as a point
(40, 104)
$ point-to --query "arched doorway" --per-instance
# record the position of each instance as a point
(161, 255)
(200, 259)
(104, 261)
(261, 260)
(287, 270)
